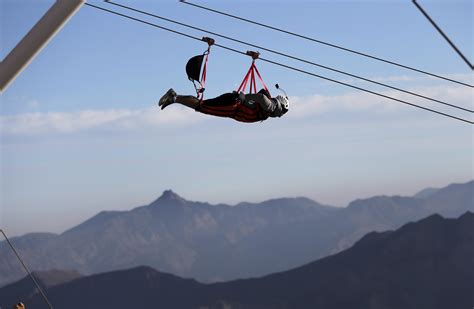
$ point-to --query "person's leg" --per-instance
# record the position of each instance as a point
(186, 100)
(171, 97)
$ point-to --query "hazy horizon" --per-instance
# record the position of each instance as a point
(67, 224)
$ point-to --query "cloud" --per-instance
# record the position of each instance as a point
(358, 101)
(178, 116)
(112, 119)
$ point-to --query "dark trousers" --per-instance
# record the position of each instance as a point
(222, 100)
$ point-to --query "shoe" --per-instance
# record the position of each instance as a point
(167, 98)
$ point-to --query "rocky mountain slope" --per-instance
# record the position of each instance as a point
(425, 265)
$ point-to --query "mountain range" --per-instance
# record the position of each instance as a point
(424, 265)
(25, 288)
(214, 243)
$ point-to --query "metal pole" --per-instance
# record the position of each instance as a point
(32, 43)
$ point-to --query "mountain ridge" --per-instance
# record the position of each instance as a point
(416, 266)
(190, 239)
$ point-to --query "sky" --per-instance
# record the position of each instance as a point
(81, 133)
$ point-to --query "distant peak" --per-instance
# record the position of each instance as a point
(169, 197)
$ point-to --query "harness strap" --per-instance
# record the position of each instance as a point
(202, 82)
(200, 92)
(243, 85)
(261, 80)
(250, 80)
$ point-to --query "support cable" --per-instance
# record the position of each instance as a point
(442, 34)
(325, 43)
(288, 56)
(27, 270)
(281, 65)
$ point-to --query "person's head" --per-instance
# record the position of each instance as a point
(19, 306)
(284, 103)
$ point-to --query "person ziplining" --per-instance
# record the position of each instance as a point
(244, 107)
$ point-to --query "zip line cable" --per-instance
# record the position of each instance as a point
(324, 43)
(280, 64)
(443, 35)
(366, 90)
(289, 56)
(27, 270)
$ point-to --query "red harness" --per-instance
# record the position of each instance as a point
(239, 111)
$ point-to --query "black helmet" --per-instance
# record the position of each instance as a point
(193, 67)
